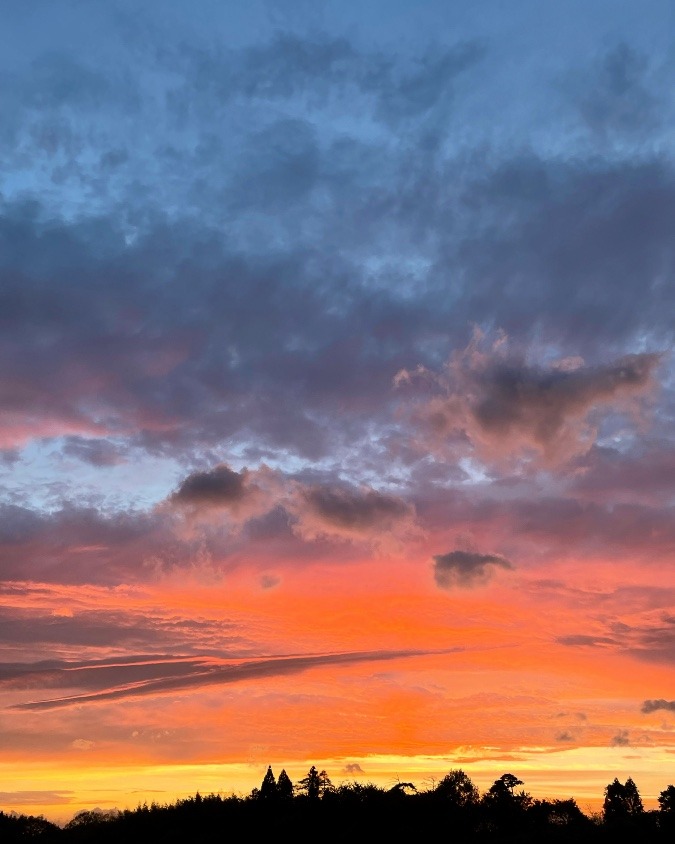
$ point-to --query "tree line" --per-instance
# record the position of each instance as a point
(313, 805)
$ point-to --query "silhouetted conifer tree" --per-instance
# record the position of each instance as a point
(268, 787)
(284, 786)
(632, 797)
(311, 784)
(325, 785)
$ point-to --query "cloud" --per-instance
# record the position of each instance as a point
(614, 98)
(565, 736)
(644, 474)
(655, 705)
(199, 673)
(621, 739)
(466, 569)
(504, 407)
(217, 487)
(80, 544)
(353, 768)
(113, 628)
(582, 640)
(647, 634)
(269, 581)
(97, 452)
(331, 510)
(36, 798)
(348, 512)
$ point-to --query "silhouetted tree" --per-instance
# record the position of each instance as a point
(284, 786)
(502, 792)
(457, 790)
(268, 787)
(632, 798)
(557, 814)
(504, 807)
(22, 828)
(316, 784)
(310, 785)
(667, 800)
(666, 818)
(622, 802)
(401, 789)
(325, 785)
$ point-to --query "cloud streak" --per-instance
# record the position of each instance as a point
(198, 674)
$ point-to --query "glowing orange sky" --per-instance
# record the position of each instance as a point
(491, 689)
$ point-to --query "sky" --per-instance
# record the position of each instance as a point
(337, 398)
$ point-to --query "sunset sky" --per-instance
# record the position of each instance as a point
(337, 397)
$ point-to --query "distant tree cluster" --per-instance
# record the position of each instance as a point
(355, 810)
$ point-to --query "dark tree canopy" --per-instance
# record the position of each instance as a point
(457, 789)
(667, 799)
(622, 801)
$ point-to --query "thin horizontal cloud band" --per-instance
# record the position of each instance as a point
(207, 673)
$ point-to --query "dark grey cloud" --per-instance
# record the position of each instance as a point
(338, 511)
(658, 704)
(466, 569)
(220, 486)
(352, 509)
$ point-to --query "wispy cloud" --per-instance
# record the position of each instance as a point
(167, 676)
